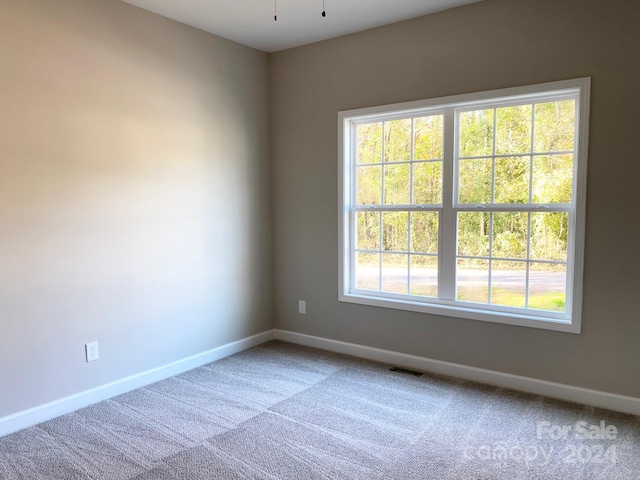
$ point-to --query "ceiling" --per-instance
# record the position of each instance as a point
(251, 22)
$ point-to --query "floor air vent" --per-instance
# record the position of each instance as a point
(406, 371)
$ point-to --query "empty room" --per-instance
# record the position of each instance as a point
(355, 239)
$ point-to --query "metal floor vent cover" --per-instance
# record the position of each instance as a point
(406, 371)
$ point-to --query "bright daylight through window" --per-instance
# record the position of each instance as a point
(470, 206)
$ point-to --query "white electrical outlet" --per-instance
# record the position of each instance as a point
(91, 351)
(302, 307)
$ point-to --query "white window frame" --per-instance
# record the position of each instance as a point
(571, 320)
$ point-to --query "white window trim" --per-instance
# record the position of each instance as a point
(528, 318)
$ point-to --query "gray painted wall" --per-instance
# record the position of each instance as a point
(134, 195)
(135, 187)
(488, 45)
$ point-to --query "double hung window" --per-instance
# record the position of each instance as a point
(470, 206)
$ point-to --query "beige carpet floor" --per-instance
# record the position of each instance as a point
(281, 411)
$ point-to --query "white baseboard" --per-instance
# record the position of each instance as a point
(41, 413)
(595, 398)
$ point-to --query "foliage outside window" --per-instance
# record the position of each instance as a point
(468, 206)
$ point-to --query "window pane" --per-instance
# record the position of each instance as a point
(368, 230)
(472, 280)
(369, 185)
(367, 274)
(427, 183)
(424, 275)
(512, 180)
(552, 178)
(396, 184)
(473, 234)
(547, 286)
(476, 133)
(508, 283)
(510, 235)
(428, 137)
(549, 236)
(395, 231)
(424, 232)
(369, 143)
(397, 141)
(513, 130)
(475, 181)
(395, 270)
(497, 224)
(555, 126)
